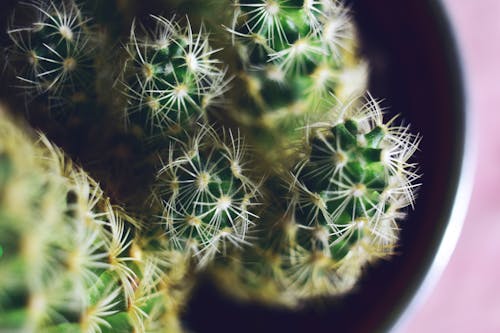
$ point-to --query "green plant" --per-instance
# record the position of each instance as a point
(72, 261)
(298, 60)
(206, 197)
(54, 53)
(262, 163)
(340, 213)
(170, 77)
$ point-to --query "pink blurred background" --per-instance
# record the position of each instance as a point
(467, 297)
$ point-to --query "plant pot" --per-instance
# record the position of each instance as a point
(415, 69)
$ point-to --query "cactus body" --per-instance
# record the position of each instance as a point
(299, 59)
(207, 195)
(171, 78)
(70, 260)
(342, 209)
(55, 51)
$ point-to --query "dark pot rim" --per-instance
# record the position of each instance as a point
(430, 273)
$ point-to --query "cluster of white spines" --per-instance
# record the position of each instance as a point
(291, 35)
(171, 75)
(60, 267)
(347, 198)
(207, 194)
(54, 53)
(344, 204)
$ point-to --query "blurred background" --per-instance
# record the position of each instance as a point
(467, 297)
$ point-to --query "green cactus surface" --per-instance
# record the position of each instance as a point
(207, 196)
(247, 150)
(71, 261)
(298, 58)
(341, 212)
(54, 52)
(170, 77)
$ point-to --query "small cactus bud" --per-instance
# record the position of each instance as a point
(207, 195)
(171, 77)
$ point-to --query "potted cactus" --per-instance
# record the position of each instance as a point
(234, 142)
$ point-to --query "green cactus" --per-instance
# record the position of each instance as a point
(207, 197)
(298, 215)
(341, 211)
(72, 262)
(170, 78)
(53, 54)
(298, 59)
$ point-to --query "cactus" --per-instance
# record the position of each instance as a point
(347, 197)
(206, 195)
(316, 197)
(298, 59)
(170, 78)
(71, 261)
(341, 211)
(54, 53)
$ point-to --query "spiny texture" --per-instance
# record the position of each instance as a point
(330, 205)
(207, 196)
(53, 52)
(203, 193)
(299, 58)
(71, 262)
(342, 209)
(170, 77)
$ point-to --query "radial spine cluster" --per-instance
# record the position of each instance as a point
(54, 53)
(298, 59)
(346, 198)
(207, 195)
(344, 201)
(171, 77)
